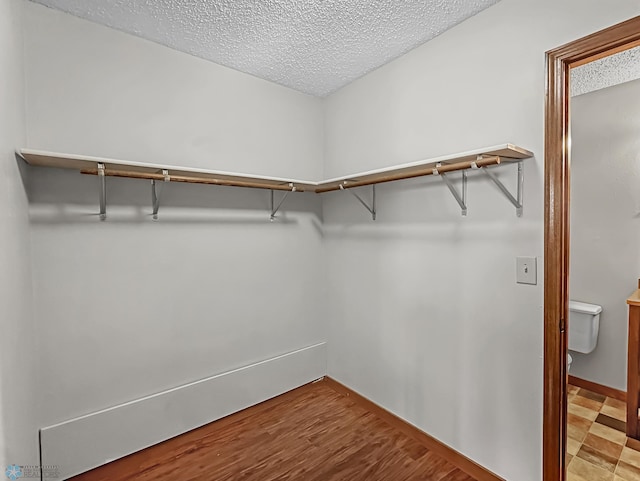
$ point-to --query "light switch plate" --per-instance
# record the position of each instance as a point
(526, 270)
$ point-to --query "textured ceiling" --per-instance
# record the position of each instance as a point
(606, 72)
(315, 46)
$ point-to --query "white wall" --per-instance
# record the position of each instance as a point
(18, 433)
(142, 101)
(605, 231)
(426, 317)
(130, 307)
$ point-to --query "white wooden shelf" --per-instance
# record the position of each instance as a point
(475, 159)
(142, 170)
(460, 161)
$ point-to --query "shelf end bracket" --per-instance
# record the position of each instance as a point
(461, 198)
(371, 208)
(274, 210)
(102, 182)
(516, 201)
(155, 196)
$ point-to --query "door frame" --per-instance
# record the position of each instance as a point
(557, 160)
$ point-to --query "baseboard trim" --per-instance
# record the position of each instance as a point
(90, 441)
(598, 388)
(454, 457)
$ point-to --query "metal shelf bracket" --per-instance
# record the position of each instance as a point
(274, 210)
(372, 208)
(155, 195)
(102, 182)
(460, 197)
(516, 201)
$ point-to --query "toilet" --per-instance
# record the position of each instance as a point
(584, 324)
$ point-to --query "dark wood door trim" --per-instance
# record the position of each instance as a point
(556, 232)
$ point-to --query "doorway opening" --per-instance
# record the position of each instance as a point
(560, 61)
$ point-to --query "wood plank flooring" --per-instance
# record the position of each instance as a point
(313, 433)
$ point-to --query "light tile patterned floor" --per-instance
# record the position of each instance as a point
(597, 447)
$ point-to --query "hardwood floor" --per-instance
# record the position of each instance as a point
(313, 433)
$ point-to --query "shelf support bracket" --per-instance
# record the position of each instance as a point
(274, 210)
(102, 182)
(372, 208)
(155, 197)
(461, 198)
(516, 201)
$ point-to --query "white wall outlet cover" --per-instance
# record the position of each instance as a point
(526, 270)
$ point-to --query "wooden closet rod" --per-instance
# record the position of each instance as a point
(347, 183)
(422, 171)
(193, 180)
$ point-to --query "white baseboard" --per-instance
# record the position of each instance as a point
(84, 443)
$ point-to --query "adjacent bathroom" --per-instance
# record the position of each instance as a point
(604, 264)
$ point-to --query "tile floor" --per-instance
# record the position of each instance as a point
(597, 447)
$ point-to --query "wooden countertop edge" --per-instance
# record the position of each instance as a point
(634, 299)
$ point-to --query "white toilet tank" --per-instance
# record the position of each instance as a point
(584, 323)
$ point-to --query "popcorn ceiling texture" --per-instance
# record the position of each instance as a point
(606, 72)
(315, 47)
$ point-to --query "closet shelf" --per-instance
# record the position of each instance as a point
(139, 170)
(440, 166)
(461, 161)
